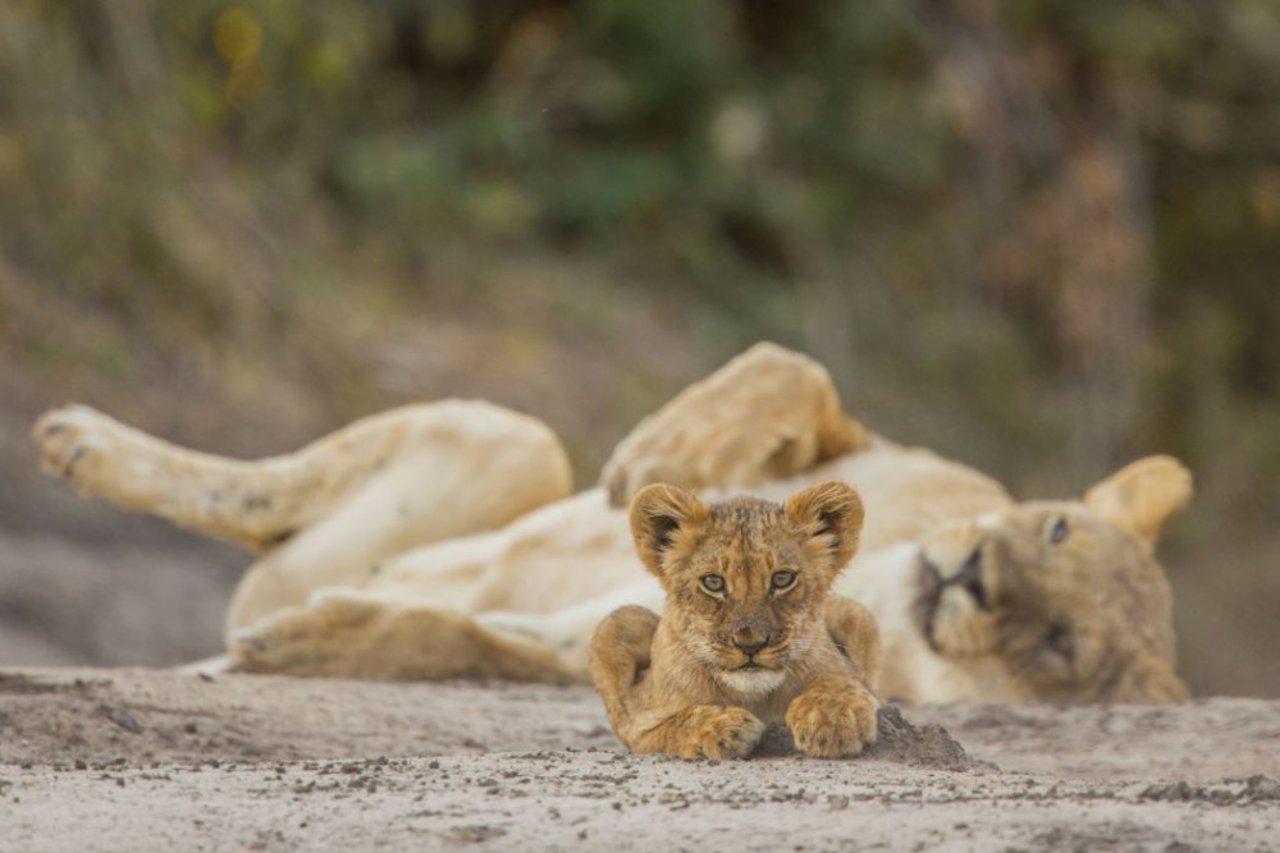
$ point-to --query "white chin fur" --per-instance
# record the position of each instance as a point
(754, 682)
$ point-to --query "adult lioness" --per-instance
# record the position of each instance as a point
(440, 541)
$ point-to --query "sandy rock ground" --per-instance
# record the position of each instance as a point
(155, 760)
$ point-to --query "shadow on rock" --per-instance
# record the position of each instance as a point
(899, 741)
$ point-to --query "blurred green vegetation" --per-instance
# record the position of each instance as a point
(1042, 236)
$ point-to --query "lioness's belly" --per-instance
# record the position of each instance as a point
(579, 548)
(556, 557)
(907, 492)
(574, 562)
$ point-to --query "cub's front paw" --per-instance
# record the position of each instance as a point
(725, 733)
(834, 718)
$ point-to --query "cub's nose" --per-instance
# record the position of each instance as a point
(750, 638)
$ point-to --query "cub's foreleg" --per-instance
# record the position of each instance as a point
(701, 731)
(835, 716)
(644, 718)
(854, 631)
(619, 661)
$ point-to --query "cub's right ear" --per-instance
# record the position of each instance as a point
(661, 515)
(830, 515)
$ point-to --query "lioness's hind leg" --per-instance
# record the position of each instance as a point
(250, 503)
(256, 504)
(346, 635)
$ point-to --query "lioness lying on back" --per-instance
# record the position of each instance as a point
(749, 634)
(440, 541)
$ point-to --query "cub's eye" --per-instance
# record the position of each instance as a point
(713, 583)
(1059, 531)
(782, 580)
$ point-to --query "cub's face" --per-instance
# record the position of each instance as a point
(746, 579)
(1067, 596)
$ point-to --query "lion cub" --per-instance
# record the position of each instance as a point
(750, 634)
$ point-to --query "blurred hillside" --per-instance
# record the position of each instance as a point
(1040, 237)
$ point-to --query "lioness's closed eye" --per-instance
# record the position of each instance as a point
(750, 633)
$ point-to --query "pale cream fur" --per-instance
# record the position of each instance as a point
(449, 526)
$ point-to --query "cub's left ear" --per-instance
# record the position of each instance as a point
(1143, 495)
(831, 515)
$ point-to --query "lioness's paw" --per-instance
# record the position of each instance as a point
(72, 440)
(834, 719)
(316, 640)
(731, 733)
(703, 452)
(768, 412)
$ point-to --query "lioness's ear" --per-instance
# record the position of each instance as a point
(1142, 495)
(661, 514)
(831, 514)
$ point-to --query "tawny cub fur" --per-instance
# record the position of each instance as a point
(750, 633)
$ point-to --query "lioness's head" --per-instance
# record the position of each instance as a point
(1067, 595)
(746, 579)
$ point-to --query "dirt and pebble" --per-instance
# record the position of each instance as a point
(157, 760)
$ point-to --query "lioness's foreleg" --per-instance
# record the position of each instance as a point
(434, 452)
(347, 635)
(770, 412)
